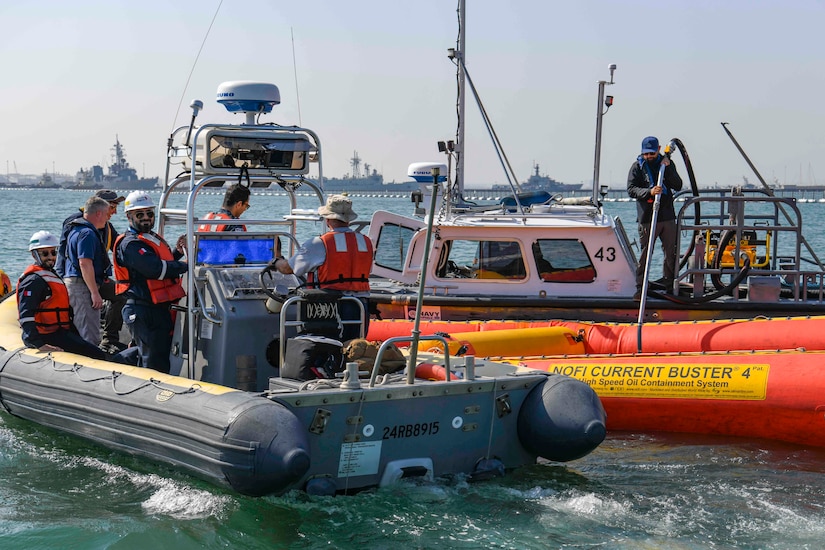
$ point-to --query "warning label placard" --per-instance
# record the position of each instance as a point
(359, 459)
(674, 380)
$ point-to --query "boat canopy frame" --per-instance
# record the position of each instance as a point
(200, 175)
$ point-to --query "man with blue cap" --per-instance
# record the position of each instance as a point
(642, 186)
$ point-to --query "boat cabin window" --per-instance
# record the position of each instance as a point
(393, 243)
(563, 261)
(474, 259)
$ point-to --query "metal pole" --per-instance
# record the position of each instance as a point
(459, 146)
(416, 333)
(597, 159)
(771, 193)
(599, 116)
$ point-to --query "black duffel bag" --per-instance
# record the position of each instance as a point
(308, 357)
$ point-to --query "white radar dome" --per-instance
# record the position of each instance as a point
(245, 96)
(422, 172)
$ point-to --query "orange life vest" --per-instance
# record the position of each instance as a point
(54, 312)
(348, 262)
(6, 282)
(220, 227)
(161, 290)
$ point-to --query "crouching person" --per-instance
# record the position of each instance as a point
(148, 272)
(43, 306)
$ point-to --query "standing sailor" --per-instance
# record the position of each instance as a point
(113, 304)
(642, 185)
(148, 273)
(87, 267)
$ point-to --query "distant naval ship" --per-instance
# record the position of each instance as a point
(368, 180)
(539, 182)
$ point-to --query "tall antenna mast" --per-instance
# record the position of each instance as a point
(608, 102)
(459, 150)
(295, 72)
(355, 163)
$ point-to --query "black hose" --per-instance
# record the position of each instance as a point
(694, 188)
(716, 262)
(727, 289)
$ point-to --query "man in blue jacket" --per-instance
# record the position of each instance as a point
(642, 185)
(148, 273)
(86, 267)
(112, 304)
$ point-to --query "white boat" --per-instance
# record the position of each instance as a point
(227, 415)
(541, 256)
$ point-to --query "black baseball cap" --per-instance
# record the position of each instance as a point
(110, 196)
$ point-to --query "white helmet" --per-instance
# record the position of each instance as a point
(43, 239)
(137, 200)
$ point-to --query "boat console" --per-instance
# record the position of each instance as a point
(234, 328)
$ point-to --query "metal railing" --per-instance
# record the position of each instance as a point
(775, 222)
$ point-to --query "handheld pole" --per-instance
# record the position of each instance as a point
(651, 241)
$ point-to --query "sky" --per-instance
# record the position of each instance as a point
(373, 76)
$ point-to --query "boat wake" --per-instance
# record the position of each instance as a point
(180, 502)
(168, 497)
(162, 496)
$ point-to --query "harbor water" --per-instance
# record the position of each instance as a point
(638, 490)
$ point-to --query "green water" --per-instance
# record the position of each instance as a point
(635, 491)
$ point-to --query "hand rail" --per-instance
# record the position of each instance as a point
(410, 373)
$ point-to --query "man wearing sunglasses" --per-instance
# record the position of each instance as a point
(148, 272)
(43, 304)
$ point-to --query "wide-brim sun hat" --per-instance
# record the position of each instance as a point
(338, 207)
